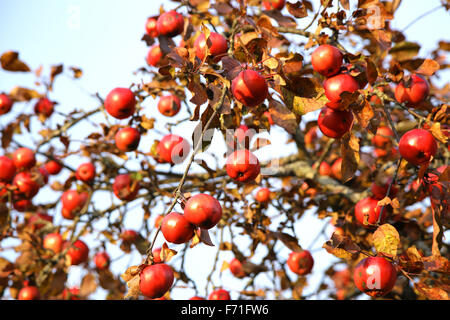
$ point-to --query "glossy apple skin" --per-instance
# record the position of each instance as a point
(5, 104)
(53, 242)
(173, 149)
(336, 85)
(170, 24)
(300, 263)
(203, 210)
(26, 185)
(273, 4)
(236, 268)
(218, 47)
(53, 167)
(169, 105)
(176, 228)
(120, 103)
(72, 203)
(24, 158)
(44, 106)
(219, 294)
(414, 94)
(375, 276)
(125, 188)
(154, 55)
(127, 139)
(85, 172)
(102, 260)
(368, 206)
(78, 253)
(383, 137)
(324, 169)
(157, 255)
(417, 146)
(7, 169)
(156, 280)
(22, 204)
(249, 88)
(335, 123)
(243, 166)
(327, 60)
(29, 293)
(150, 27)
(263, 195)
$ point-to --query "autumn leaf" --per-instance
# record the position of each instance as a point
(341, 246)
(432, 293)
(10, 62)
(428, 67)
(282, 116)
(404, 50)
(288, 240)
(350, 156)
(166, 253)
(386, 240)
(88, 285)
(297, 9)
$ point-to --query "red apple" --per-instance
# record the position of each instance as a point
(262, 195)
(5, 104)
(412, 92)
(156, 280)
(417, 146)
(383, 137)
(170, 24)
(26, 184)
(236, 268)
(157, 255)
(375, 276)
(368, 207)
(311, 137)
(127, 139)
(203, 211)
(268, 115)
(125, 188)
(327, 60)
(53, 167)
(336, 85)
(273, 4)
(72, 203)
(53, 242)
(85, 172)
(44, 106)
(217, 49)
(300, 263)
(176, 228)
(197, 298)
(24, 158)
(7, 169)
(241, 138)
(169, 105)
(129, 236)
(29, 293)
(335, 123)
(154, 55)
(336, 169)
(120, 103)
(150, 27)
(77, 253)
(249, 88)
(379, 190)
(243, 166)
(173, 149)
(102, 260)
(219, 294)
(35, 221)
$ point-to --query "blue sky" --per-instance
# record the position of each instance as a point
(103, 39)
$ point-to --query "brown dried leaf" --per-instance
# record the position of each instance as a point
(342, 247)
(297, 9)
(288, 240)
(88, 285)
(428, 67)
(386, 240)
(282, 116)
(350, 156)
(432, 293)
(10, 62)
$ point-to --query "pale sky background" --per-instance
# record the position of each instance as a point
(103, 39)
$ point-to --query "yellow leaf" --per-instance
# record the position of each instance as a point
(386, 240)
